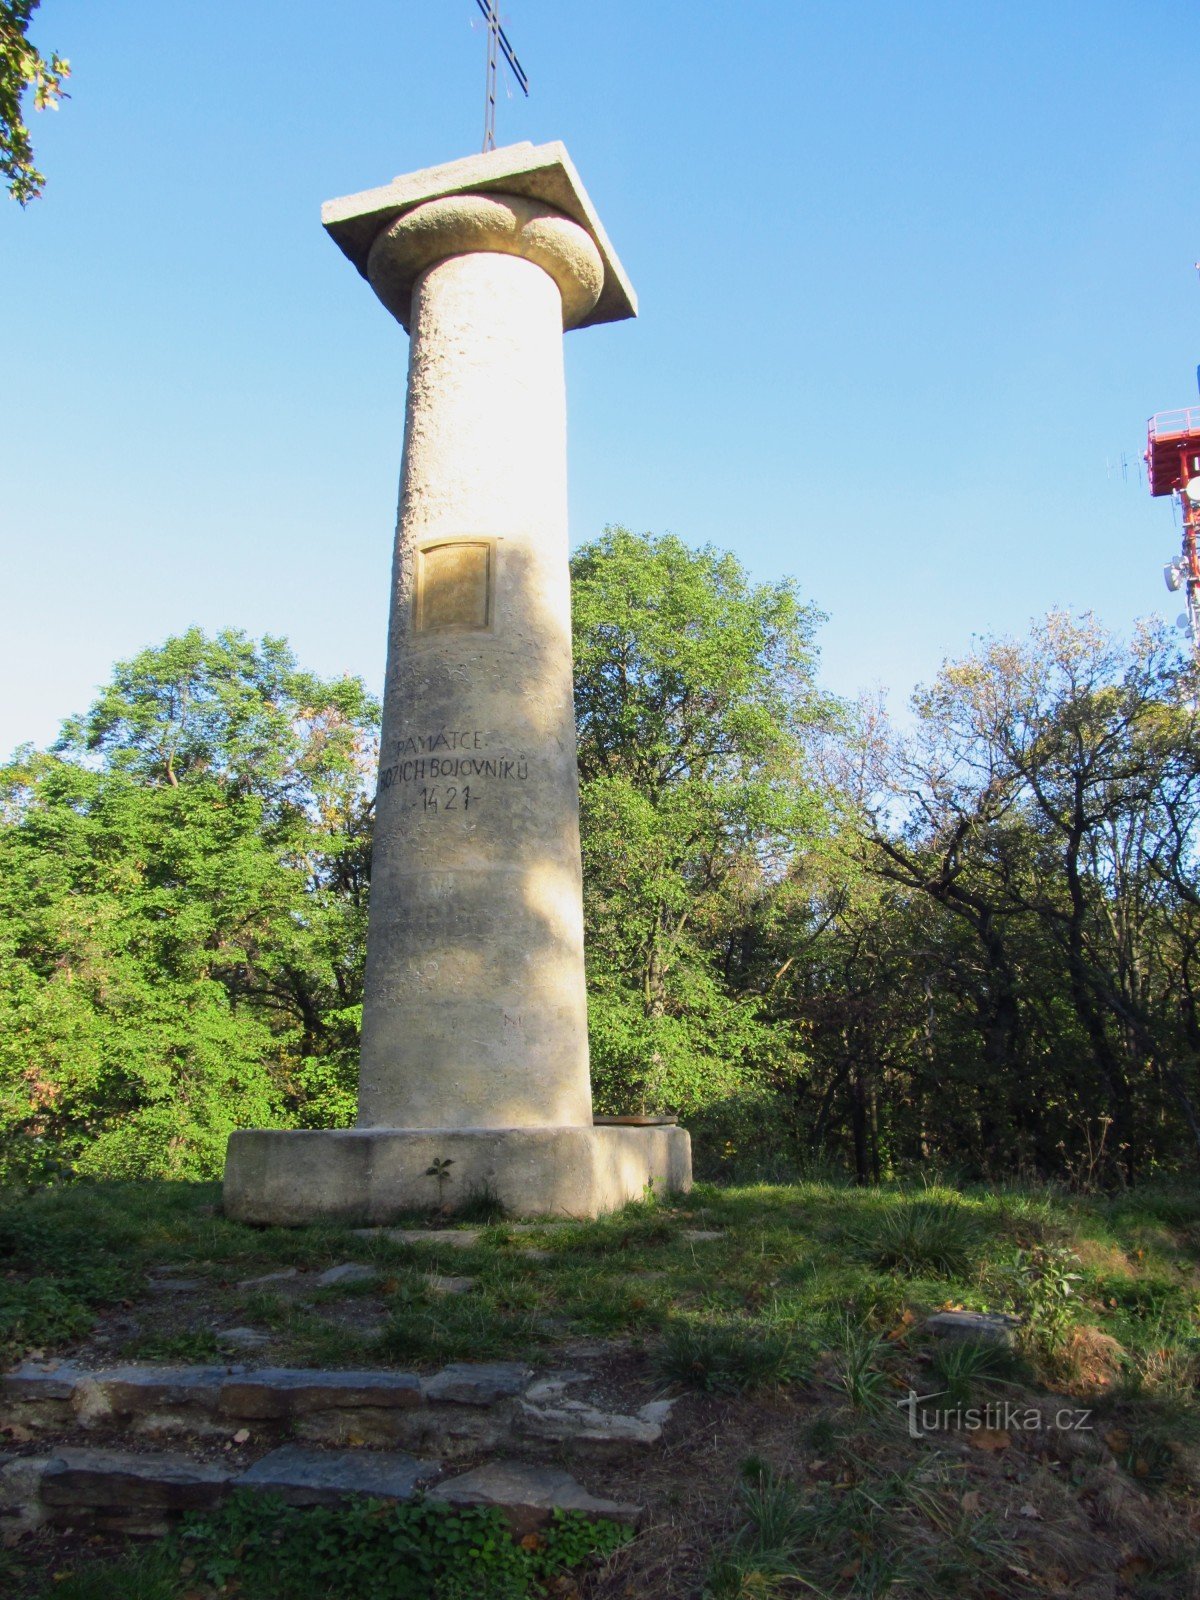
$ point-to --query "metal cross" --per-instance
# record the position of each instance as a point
(497, 45)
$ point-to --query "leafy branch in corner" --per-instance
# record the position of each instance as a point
(23, 67)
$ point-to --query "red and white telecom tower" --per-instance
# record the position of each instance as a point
(1173, 461)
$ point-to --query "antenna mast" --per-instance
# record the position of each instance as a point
(498, 46)
(1173, 459)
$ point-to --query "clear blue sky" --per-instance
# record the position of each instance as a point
(911, 277)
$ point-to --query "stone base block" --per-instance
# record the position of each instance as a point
(378, 1175)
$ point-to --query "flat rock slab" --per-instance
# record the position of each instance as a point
(981, 1327)
(40, 1380)
(444, 1285)
(21, 1510)
(175, 1285)
(140, 1389)
(456, 1238)
(552, 1385)
(348, 1272)
(575, 1420)
(324, 1477)
(528, 1495)
(270, 1279)
(702, 1235)
(118, 1480)
(478, 1383)
(243, 1339)
(277, 1392)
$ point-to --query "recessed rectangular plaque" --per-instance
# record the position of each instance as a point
(454, 586)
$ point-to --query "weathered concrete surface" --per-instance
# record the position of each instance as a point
(528, 1495)
(324, 1477)
(474, 1007)
(378, 1174)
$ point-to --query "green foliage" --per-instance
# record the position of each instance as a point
(694, 695)
(1044, 1294)
(403, 1552)
(23, 67)
(152, 1575)
(886, 1533)
(959, 1365)
(182, 914)
(860, 1376)
(920, 1237)
(730, 1358)
(266, 1550)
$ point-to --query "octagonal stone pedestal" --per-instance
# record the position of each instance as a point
(376, 1175)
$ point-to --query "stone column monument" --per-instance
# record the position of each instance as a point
(474, 1048)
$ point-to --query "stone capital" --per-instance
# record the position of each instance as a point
(470, 224)
(542, 174)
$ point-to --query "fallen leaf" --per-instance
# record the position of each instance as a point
(1117, 1440)
(851, 1569)
(972, 1501)
(186, 1568)
(989, 1439)
(241, 1436)
(1135, 1567)
(17, 1432)
(532, 1541)
(1030, 1510)
(1141, 1468)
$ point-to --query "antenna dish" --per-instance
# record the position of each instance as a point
(1171, 576)
(1192, 489)
(1182, 623)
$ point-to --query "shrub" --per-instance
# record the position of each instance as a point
(731, 1358)
(920, 1238)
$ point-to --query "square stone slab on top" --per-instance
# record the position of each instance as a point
(542, 172)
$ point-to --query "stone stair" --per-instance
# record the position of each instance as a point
(318, 1437)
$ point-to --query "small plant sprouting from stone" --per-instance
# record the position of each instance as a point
(441, 1171)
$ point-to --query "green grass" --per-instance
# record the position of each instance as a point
(858, 1539)
(808, 1305)
(732, 1358)
(794, 1264)
(920, 1237)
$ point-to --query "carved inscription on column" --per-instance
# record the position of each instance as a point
(448, 769)
(454, 587)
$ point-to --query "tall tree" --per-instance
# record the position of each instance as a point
(182, 911)
(694, 694)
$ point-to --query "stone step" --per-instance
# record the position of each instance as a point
(464, 1408)
(323, 1477)
(141, 1493)
(529, 1495)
